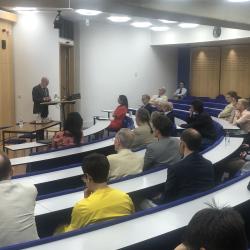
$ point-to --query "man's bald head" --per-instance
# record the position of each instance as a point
(125, 137)
(192, 139)
(5, 167)
(44, 82)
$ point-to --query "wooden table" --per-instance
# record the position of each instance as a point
(27, 128)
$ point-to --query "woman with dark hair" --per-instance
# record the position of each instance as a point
(72, 132)
(143, 133)
(202, 122)
(119, 113)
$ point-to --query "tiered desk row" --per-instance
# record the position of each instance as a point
(142, 226)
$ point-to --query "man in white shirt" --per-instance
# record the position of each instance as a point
(125, 162)
(17, 220)
(181, 91)
(156, 100)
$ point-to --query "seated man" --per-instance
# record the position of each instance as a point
(215, 229)
(181, 91)
(100, 201)
(228, 112)
(193, 173)
(161, 97)
(125, 162)
(166, 149)
(202, 122)
(148, 106)
(16, 207)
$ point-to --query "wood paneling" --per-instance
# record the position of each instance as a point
(7, 104)
(7, 16)
(235, 69)
(205, 71)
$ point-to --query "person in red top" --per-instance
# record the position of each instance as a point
(72, 132)
(119, 113)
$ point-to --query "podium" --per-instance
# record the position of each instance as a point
(62, 104)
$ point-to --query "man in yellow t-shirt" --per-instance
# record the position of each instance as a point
(100, 201)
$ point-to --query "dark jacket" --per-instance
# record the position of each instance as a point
(149, 108)
(203, 123)
(191, 175)
(38, 93)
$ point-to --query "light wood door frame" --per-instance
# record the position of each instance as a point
(7, 93)
(67, 76)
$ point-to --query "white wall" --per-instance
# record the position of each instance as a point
(115, 59)
(36, 54)
(197, 35)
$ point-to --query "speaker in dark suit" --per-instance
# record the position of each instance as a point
(40, 93)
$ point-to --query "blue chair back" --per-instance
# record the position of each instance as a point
(128, 122)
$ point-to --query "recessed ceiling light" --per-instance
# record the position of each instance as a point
(119, 19)
(160, 28)
(88, 12)
(166, 21)
(238, 1)
(25, 10)
(141, 24)
(188, 25)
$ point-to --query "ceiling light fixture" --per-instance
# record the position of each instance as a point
(25, 10)
(119, 19)
(85, 12)
(159, 28)
(141, 24)
(166, 21)
(188, 25)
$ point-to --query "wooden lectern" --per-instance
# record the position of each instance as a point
(62, 103)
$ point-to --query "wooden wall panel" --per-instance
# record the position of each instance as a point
(235, 69)
(205, 71)
(7, 103)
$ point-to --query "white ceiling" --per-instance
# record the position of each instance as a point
(208, 12)
(216, 9)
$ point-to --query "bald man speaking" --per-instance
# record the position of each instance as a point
(40, 93)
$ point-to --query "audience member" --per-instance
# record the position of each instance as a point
(157, 99)
(228, 112)
(193, 173)
(181, 91)
(40, 93)
(215, 229)
(166, 149)
(16, 207)
(125, 162)
(144, 132)
(100, 201)
(202, 122)
(72, 132)
(167, 109)
(148, 106)
(119, 113)
(242, 115)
